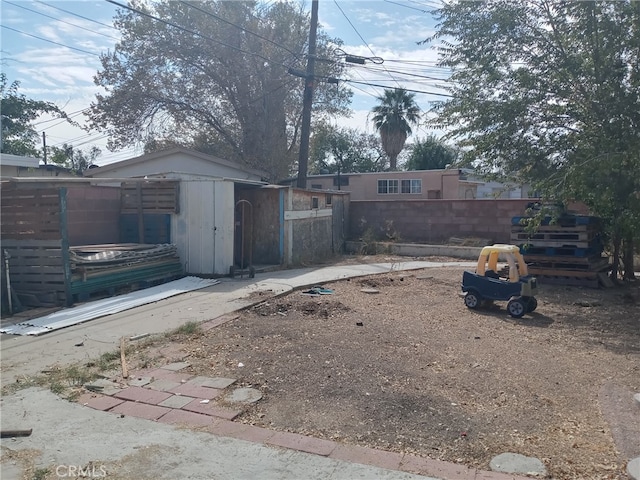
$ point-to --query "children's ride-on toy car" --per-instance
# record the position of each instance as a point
(486, 284)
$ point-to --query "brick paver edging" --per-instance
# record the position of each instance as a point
(215, 423)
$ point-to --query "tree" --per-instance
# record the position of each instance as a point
(18, 112)
(74, 159)
(548, 92)
(430, 154)
(213, 75)
(335, 149)
(393, 118)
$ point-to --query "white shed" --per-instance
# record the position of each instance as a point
(203, 228)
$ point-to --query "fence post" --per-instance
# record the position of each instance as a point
(64, 246)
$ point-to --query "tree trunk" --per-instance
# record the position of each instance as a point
(393, 162)
(627, 258)
(615, 266)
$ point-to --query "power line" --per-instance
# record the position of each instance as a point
(408, 6)
(405, 89)
(363, 40)
(354, 28)
(60, 20)
(432, 63)
(101, 137)
(426, 3)
(69, 115)
(89, 137)
(373, 69)
(64, 119)
(77, 15)
(50, 41)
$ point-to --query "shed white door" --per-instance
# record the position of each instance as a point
(199, 215)
(203, 230)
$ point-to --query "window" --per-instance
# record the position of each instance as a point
(411, 186)
(314, 202)
(387, 186)
(317, 186)
(328, 200)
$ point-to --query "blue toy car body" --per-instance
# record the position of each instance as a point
(486, 284)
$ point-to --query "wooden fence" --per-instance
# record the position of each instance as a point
(35, 231)
(35, 240)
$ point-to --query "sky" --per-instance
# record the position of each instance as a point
(52, 48)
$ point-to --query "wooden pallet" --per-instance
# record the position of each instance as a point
(554, 272)
(564, 251)
(566, 221)
(562, 229)
(553, 243)
(566, 237)
(37, 271)
(153, 197)
(568, 263)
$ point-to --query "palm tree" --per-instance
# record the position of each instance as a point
(393, 119)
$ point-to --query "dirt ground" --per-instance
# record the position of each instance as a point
(411, 369)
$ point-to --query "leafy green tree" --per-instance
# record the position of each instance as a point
(335, 149)
(18, 112)
(548, 92)
(74, 159)
(430, 154)
(214, 75)
(393, 118)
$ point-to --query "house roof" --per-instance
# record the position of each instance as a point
(172, 151)
(18, 160)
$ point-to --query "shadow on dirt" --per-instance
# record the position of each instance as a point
(533, 319)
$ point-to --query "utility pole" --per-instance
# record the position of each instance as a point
(44, 147)
(307, 101)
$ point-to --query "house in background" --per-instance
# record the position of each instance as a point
(19, 166)
(491, 190)
(16, 165)
(444, 184)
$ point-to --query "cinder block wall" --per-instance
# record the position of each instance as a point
(93, 215)
(427, 221)
(311, 237)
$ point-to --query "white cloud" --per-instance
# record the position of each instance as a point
(57, 76)
(358, 121)
(80, 27)
(55, 56)
(49, 32)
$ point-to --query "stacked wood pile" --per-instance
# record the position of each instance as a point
(566, 251)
